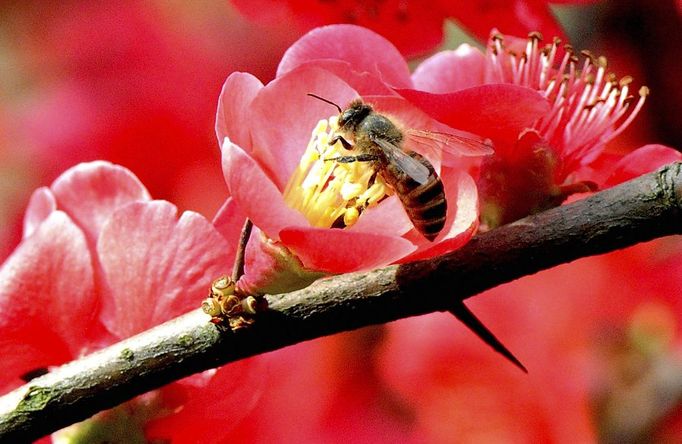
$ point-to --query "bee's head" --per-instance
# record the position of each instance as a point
(355, 113)
(349, 118)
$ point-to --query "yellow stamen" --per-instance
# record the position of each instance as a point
(351, 216)
(329, 193)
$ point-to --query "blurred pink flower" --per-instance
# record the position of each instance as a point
(333, 388)
(413, 28)
(264, 132)
(130, 83)
(100, 261)
(556, 155)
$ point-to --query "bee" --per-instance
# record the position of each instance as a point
(377, 139)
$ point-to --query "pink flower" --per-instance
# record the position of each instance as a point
(129, 83)
(413, 28)
(277, 177)
(99, 262)
(558, 154)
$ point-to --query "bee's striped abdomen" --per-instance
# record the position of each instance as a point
(425, 203)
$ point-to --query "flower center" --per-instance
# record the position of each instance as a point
(589, 105)
(328, 193)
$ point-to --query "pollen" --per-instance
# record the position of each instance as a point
(329, 193)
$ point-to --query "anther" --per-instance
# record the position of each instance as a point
(596, 102)
(535, 35)
(625, 81)
(350, 217)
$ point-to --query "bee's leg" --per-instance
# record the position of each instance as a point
(338, 138)
(358, 158)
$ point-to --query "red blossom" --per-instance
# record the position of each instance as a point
(559, 152)
(413, 28)
(99, 262)
(264, 132)
(130, 83)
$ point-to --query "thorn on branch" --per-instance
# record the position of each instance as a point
(468, 318)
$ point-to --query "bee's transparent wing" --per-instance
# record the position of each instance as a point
(411, 166)
(463, 145)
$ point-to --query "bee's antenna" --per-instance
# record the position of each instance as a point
(326, 101)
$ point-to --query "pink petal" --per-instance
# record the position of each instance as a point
(48, 301)
(599, 170)
(498, 111)
(387, 217)
(641, 161)
(402, 111)
(450, 71)
(255, 194)
(462, 218)
(363, 49)
(232, 118)
(284, 117)
(342, 251)
(228, 392)
(229, 221)
(156, 265)
(361, 81)
(270, 268)
(41, 205)
(90, 192)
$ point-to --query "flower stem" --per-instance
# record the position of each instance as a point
(238, 268)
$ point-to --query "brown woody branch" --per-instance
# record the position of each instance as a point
(639, 210)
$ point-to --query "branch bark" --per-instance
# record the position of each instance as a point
(639, 210)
